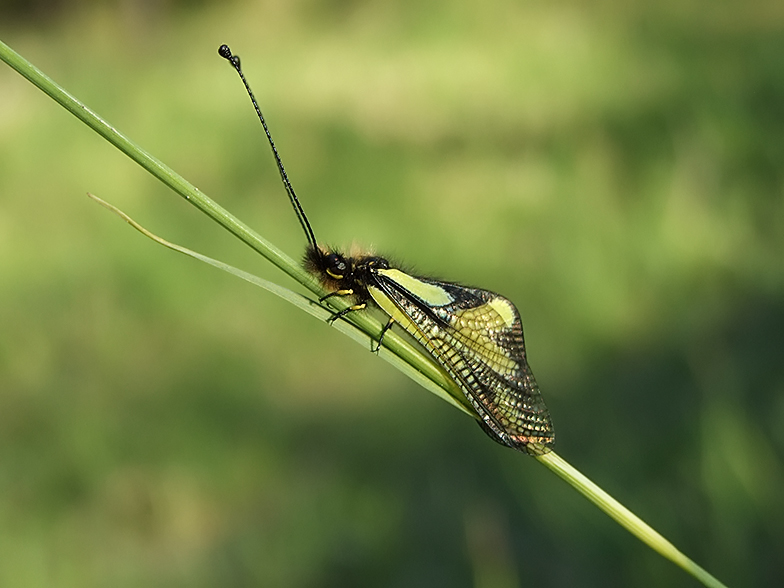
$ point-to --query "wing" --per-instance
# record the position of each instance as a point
(477, 336)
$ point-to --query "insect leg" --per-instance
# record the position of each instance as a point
(345, 311)
(336, 293)
(381, 337)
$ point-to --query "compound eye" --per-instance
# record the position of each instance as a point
(336, 266)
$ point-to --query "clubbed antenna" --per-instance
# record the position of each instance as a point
(225, 52)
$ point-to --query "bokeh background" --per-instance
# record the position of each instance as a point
(615, 168)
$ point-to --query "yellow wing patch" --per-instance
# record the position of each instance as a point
(389, 307)
(428, 293)
(505, 310)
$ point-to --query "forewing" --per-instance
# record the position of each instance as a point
(477, 337)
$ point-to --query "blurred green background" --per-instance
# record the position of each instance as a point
(615, 168)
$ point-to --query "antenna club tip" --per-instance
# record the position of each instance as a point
(224, 51)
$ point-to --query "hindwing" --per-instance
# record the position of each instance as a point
(477, 336)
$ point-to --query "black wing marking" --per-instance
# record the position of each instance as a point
(484, 353)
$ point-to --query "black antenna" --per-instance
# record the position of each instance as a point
(225, 52)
